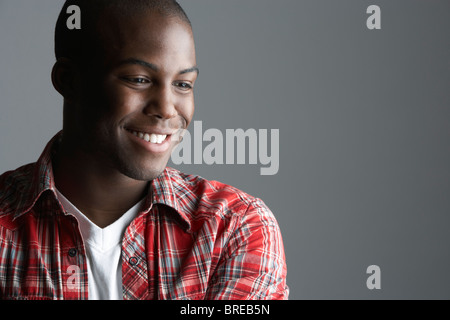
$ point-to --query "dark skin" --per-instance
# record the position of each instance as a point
(140, 80)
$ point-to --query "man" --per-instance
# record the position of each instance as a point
(99, 215)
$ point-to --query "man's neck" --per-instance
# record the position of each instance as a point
(102, 194)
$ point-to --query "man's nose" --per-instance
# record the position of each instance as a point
(161, 103)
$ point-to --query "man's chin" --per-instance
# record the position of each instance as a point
(146, 175)
(142, 173)
(139, 166)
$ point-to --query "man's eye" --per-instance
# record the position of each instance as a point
(137, 80)
(183, 85)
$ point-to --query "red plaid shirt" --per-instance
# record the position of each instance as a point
(196, 239)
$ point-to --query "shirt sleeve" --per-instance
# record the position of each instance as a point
(254, 264)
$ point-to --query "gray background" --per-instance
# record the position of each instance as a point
(364, 119)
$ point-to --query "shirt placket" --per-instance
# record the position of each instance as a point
(74, 263)
(135, 273)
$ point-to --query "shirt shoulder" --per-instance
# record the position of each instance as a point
(198, 197)
(15, 192)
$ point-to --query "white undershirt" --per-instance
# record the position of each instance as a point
(103, 251)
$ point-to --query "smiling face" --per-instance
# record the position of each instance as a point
(135, 95)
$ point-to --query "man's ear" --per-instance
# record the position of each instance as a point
(65, 78)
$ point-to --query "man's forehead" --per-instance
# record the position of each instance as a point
(154, 67)
(157, 50)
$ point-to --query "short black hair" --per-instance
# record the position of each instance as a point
(72, 43)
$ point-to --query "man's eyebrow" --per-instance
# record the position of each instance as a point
(139, 62)
(154, 67)
(193, 69)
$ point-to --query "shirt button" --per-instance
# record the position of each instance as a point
(72, 252)
(133, 261)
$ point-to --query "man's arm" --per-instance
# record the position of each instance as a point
(254, 266)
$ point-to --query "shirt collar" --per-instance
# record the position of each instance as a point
(41, 179)
(162, 189)
(167, 189)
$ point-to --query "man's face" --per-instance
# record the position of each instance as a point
(137, 94)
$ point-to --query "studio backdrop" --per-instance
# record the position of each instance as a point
(335, 113)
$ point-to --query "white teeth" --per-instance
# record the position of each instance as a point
(153, 138)
(160, 138)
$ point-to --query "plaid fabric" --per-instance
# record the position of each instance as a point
(197, 239)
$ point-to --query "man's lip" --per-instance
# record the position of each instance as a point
(155, 148)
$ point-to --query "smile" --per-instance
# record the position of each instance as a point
(150, 137)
